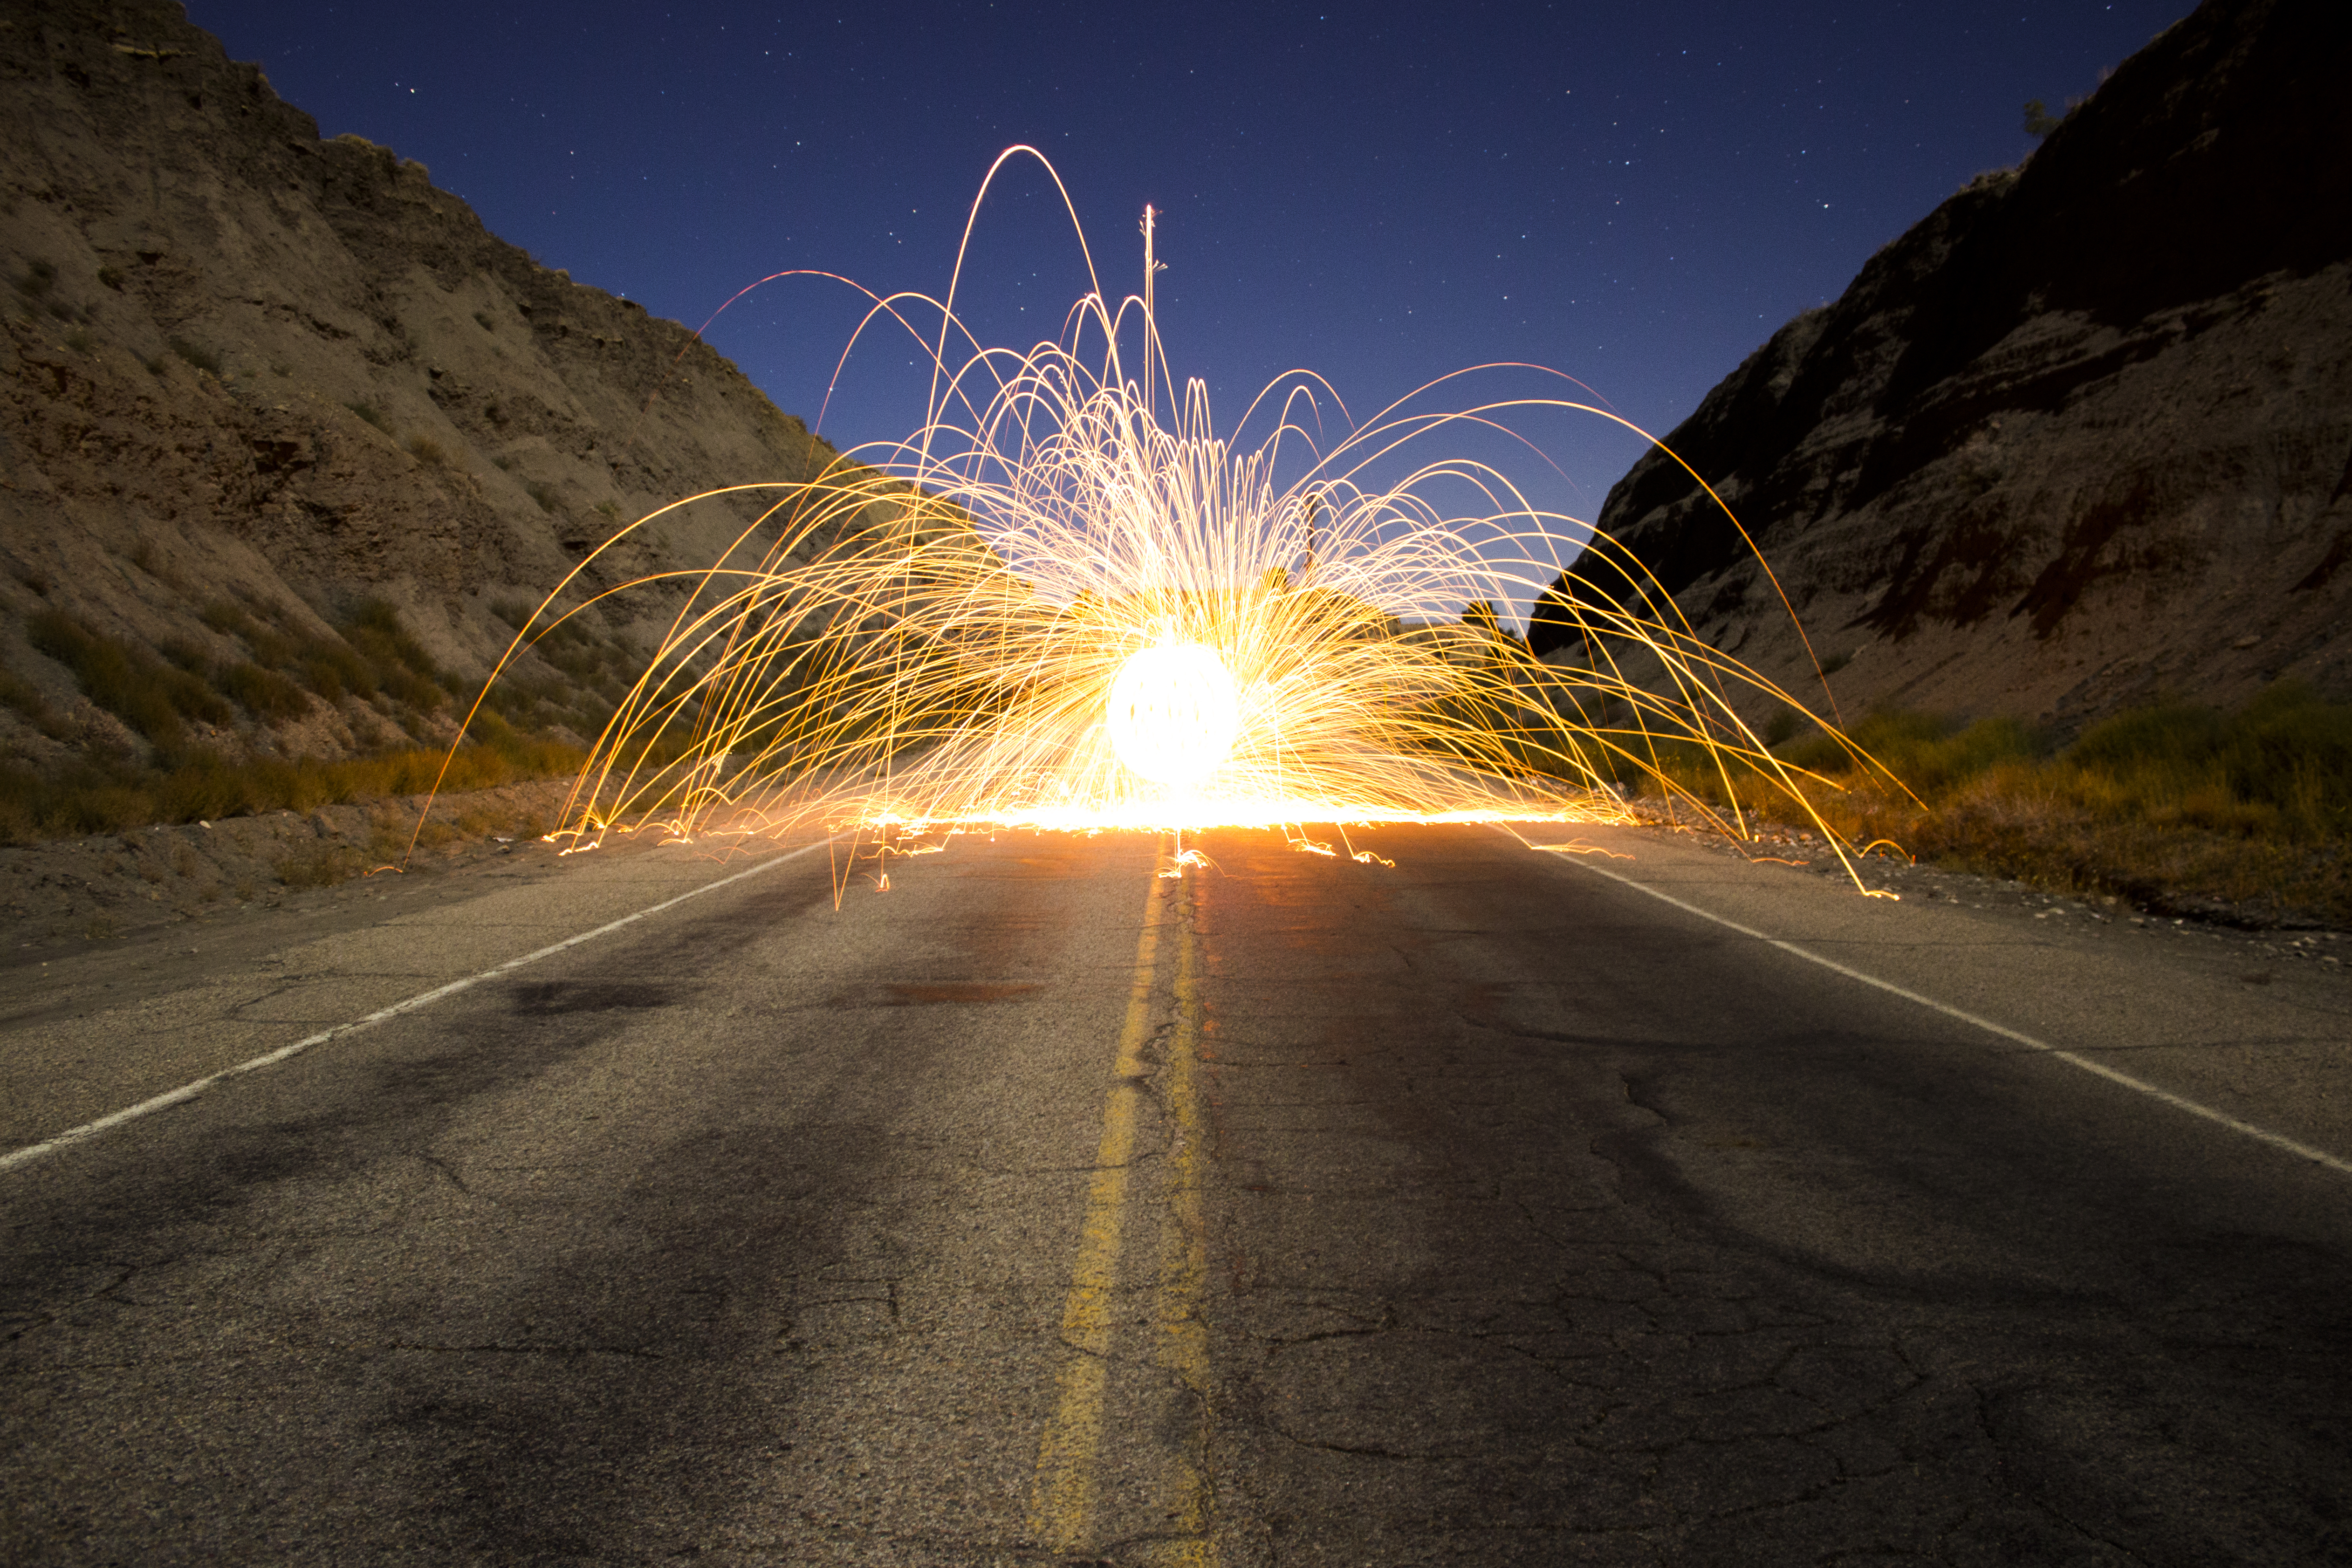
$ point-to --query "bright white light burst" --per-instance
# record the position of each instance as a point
(1172, 713)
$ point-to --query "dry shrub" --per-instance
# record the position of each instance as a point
(98, 798)
(265, 693)
(197, 355)
(2168, 805)
(319, 865)
(128, 682)
(20, 695)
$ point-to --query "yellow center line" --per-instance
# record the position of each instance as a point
(1183, 1346)
(1169, 1525)
(1061, 1497)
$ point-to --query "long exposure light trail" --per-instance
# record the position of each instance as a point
(1055, 606)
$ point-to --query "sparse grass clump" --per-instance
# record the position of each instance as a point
(374, 654)
(376, 660)
(99, 796)
(2165, 804)
(265, 693)
(599, 670)
(319, 865)
(276, 665)
(397, 663)
(197, 355)
(153, 698)
(20, 695)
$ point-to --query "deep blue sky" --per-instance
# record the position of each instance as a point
(1637, 194)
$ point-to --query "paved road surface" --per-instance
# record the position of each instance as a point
(1300, 1209)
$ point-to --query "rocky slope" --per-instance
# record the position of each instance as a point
(256, 387)
(2080, 439)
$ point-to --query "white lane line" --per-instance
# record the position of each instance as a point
(186, 1092)
(2178, 1102)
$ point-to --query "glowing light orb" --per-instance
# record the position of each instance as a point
(1172, 713)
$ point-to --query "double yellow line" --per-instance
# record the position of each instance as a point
(1111, 1319)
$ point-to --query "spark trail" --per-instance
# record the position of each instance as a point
(1054, 606)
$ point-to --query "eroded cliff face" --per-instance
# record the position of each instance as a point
(245, 366)
(2080, 438)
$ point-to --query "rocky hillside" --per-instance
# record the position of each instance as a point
(2080, 439)
(286, 435)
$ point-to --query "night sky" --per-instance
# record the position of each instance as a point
(1635, 195)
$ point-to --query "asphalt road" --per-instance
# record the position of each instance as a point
(1497, 1206)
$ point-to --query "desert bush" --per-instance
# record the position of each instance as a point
(333, 667)
(1929, 753)
(319, 865)
(84, 797)
(196, 355)
(2171, 801)
(20, 695)
(153, 698)
(427, 451)
(397, 662)
(265, 693)
(94, 796)
(188, 656)
(375, 657)
(331, 672)
(203, 788)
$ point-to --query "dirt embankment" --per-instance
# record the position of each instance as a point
(261, 392)
(2079, 440)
